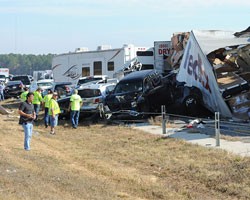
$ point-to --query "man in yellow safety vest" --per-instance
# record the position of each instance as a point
(46, 101)
(37, 101)
(54, 111)
(24, 94)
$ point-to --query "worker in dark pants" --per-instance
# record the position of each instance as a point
(37, 101)
(46, 101)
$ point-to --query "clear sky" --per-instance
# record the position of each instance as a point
(60, 26)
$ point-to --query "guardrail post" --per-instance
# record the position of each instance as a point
(217, 128)
(163, 114)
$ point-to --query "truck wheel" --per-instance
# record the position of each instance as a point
(190, 101)
(191, 105)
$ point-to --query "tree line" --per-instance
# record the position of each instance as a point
(22, 64)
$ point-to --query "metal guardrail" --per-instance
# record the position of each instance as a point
(216, 126)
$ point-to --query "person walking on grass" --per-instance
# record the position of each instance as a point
(38, 99)
(24, 94)
(27, 115)
(46, 101)
(2, 86)
(74, 107)
(54, 111)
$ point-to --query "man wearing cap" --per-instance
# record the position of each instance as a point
(74, 107)
(54, 111)
(38, 99)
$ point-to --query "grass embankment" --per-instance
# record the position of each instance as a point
(114, 162)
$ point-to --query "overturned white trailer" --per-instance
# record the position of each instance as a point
(218, 63)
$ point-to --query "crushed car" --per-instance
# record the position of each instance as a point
(142, 93)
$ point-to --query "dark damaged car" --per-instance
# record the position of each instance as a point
(142, 93)
(13, 89)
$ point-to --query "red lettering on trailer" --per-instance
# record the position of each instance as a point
(195, 69)
(164, 51)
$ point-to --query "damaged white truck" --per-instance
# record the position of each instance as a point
(218, 63)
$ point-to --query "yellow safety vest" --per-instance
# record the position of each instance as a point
(24, 96)
(75, 101)
(46, 100)
(37, 98)
(53, 105)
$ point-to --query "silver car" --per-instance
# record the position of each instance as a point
(93, 96)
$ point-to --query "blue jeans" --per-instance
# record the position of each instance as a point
(46, 116)
(27, 127)
(53, 121)
(37, 109)
(1, 96)
(74, 117)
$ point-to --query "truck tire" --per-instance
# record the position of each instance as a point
(191, 104)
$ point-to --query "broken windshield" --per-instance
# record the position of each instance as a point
(129, 87)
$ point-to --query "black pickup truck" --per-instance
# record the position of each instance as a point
(146, 91)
